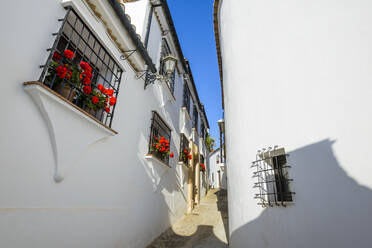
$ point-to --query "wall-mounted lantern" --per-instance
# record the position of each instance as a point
(169, 62)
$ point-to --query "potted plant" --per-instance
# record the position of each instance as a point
(66, 75)
(97, 99)
(186, 156)
(160, 148)
(202, 167)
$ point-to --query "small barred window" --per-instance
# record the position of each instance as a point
(80, 69)
(186, 97)
(160, 137)
(273, 182)
(184, 149)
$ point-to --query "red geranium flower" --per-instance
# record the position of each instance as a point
(95, 100)
(112, 101)
(157, 146)
(86, 81)
(100, 87)
(87, 74)
(190, 157)
(68, 74)
(85, 66)
(107, 109)
(171, 155)
(61, 71)
(57, 56)
(109, 92)
(87, 89)
(69, 54)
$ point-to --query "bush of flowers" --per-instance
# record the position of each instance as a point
(202, 167)
(63, 68)
(80, 76)
(186, 156)
(160, 147)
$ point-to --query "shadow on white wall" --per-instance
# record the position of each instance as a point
(331, 209)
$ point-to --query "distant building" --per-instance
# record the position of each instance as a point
(217, 173)
(297, 86)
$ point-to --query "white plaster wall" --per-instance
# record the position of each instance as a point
(111, 196)
(138, 12)
(298, 74)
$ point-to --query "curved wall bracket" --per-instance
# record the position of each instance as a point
(71, 130)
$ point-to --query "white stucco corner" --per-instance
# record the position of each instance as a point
(186, 113)
(165, 92)
(71, 130)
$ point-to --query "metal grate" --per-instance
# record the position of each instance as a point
(195, 116)
(273, 182)
(201, 159)
(202, 130)
(186, 97)
(165, 51)
(76, 37)
(159, 129)
(184, 144)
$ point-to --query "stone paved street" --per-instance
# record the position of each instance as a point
(205, 228)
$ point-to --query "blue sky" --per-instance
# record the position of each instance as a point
(194, 25)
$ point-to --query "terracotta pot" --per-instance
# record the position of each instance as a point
(90, 111)
(65, 91)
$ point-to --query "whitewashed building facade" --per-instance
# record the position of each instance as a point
(216, 170)
(297, 87)
(77, 175)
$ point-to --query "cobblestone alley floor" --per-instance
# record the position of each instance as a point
(205, 228)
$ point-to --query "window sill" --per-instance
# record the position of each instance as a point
(64, 102)
(152, 158)
(285, 203)
(70, 128)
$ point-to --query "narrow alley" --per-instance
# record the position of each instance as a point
(207, 227)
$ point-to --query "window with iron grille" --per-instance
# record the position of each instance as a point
(186, 97)
(195, 118)
(159, 130)
(184, 148)
(165, 51)
(273, 180)
(81, 70)
(202, 130)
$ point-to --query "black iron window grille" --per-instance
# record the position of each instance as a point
(184, 148)
(81, 70)
(165, 51)
(273, 182)
(195, 118)
(159, 130)
(202, 130)
(186, 97)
